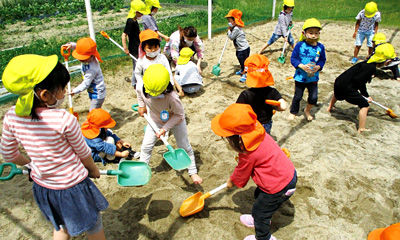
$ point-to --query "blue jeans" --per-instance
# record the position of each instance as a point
(275, 37)
(312, 88)
(266, 205)
(242, 56)
(364, 35)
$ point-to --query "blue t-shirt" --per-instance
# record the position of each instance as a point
(305, 53)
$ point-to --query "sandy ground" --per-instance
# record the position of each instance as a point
(348, 182)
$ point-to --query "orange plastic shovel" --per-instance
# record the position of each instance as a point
(272, 102)
(195, 203)
(66, 56)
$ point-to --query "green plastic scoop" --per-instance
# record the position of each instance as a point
(178, 159)
(129, 173)
(282, 58)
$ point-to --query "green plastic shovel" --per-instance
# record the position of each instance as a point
(178, 159)
(216, 69)
(129, 173)
(282, 58)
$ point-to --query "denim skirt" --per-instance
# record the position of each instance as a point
(75, 208)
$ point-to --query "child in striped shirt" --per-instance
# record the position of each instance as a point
(60, 161)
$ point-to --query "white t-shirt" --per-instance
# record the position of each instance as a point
(367, 25)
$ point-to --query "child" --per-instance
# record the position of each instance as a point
(259, 158)
(149, 53)
(366, 26)
(148, 20)
(167, 112)
(236, 34)
(308, 57)
(259, 79)
(377, 40)
(85, 50)
(131, 32)
(106, 146)
(282, 28)
(351, 85)
(59, 158)
(186, 37)
(186, 73)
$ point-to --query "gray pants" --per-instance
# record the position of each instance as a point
(133, 79)
(96, 103)
(180, 133)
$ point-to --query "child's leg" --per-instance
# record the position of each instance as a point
(61, 235)
(149, 140)
(312, 99)
(298, 95)
(96, 232)
(359, 40)
(96, 103)
(133, 80)
(395, 71)
(291, 40)
(180, 133)
(273, 38)
(332, 103)
(369, 44)
(241, 58)
(362, 116)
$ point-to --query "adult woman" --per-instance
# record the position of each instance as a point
(186, 37)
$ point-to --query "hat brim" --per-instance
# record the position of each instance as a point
(183, 60)
(253, 80)
(239, 22)
(217, 129)
(376, 234)
(80, 57)
(254, 138)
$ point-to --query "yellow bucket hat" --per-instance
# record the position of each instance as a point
(309, 23)
(153, 3)
(185, 55)
(370, 9)
(22, 74)
(379, 38)
(137, 6)
(155, 79)
(382, 53)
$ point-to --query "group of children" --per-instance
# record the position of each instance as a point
(61, 162)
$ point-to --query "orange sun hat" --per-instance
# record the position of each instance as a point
(239, 119)
(237, 15)
(86, 47)
(96, 119)
(258, 75)
(147, 35)
(390, 233)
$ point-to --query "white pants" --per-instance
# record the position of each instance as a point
(103, 154)
(180, 133)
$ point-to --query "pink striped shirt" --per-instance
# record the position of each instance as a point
(54, 145)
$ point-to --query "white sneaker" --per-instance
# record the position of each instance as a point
(253, 237)
(136, 155)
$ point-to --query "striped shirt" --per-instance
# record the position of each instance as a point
(54, 145)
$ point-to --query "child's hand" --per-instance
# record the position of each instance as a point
(126, 144)
(126, 51)
(181, 93)
(125, 153)
(142, 111)
(66, 46)
(71, 93)
(354, 35)
(229, 183)
(199, 68)
(161, 133)
(94, 172)
(370, 99)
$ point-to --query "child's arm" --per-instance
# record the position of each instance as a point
(356, 28)
(376, 27)
(124, 37)
(178, 88)
(282, 106)
(89, 76)
(91, 166)
(166, 38)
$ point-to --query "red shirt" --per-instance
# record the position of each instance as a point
(268, 166)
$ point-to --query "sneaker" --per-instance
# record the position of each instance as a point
(354, 60)
(136, 155)
(243, 78)
(253, 237)
(247, 220)
(238, 72)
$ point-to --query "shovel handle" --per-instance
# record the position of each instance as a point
(218, 188)
(223, 50)
(67, 54)
(104, 34)
(111, 172)
(376, 103)
(14, 171)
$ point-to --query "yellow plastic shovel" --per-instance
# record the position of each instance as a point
(195, 203)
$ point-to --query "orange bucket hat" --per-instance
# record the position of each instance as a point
(147, 35)
(96, 119)
(258, 75)
(390, 233)
(86, 47)
(239, 119)
(237, 15)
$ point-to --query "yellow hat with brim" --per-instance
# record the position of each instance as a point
(289, 3)
(156, 79)
(379, 38)
(185, 55)
(153, 3)
(310, 23)
(382, 53)
(22, 74)
(370, 9)
(137, 6)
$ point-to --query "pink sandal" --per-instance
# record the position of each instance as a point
(247, 220)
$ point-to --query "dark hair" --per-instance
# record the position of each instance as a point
(286, 7)
(236, 142)
(186, 32)
(151, 43)
(231, 18)
(102, 134)
(152, 8)
(169, 89)
(57, 79)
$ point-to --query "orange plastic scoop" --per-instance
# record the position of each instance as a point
(195, 203)
(272, 102)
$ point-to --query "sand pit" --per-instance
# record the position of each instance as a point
(348, 184)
